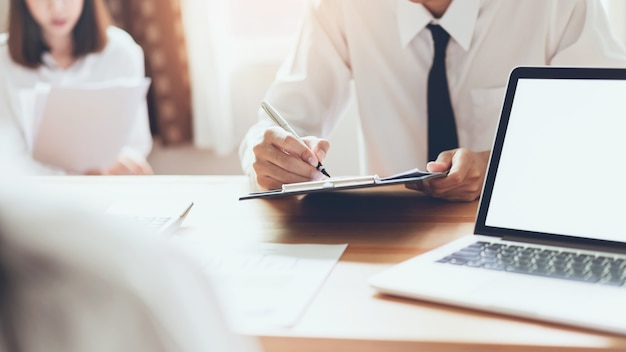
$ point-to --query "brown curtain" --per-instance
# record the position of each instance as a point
(157, 27)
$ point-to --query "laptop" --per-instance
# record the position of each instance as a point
(549, 241)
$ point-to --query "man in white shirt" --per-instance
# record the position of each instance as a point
(386, 49)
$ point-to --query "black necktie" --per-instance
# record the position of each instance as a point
(441, 127)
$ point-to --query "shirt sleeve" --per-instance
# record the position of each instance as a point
(139, 142)
(312, 86)
(15, 157)
(585, 38)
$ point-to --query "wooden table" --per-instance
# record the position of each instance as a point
(383, 227)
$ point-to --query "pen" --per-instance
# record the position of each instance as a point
(280, 121)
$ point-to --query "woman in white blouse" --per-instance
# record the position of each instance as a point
(64, 42)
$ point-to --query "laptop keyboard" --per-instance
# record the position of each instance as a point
(570, 265)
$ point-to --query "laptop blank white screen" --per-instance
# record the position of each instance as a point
(563, 164)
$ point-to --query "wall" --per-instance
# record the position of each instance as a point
(4, 11)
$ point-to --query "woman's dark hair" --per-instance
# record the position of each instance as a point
(26, 42)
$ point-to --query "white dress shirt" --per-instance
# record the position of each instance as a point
(385, 48)
(121, 58)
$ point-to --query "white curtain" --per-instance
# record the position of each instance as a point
(235, 48)
(206, 24)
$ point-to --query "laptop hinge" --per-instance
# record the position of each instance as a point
(578, 245)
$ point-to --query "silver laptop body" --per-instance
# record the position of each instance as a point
(550, 236)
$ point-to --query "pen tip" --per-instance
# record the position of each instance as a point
(322, 169)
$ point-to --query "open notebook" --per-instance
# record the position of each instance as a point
(549, 241)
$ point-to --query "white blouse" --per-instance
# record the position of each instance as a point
(384, 48)
(121, 58)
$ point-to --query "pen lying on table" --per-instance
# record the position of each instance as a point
(280, 121)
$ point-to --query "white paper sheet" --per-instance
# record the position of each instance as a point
(267, 285)
(162, 215)
(84, 127)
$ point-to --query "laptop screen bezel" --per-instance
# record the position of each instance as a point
(536, 73)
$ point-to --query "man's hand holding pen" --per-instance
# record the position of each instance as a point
(283, 158)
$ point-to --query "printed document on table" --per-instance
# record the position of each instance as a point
(267, 284)
(83, 127)
(164, 216)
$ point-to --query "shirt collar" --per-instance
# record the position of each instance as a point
(49, 61)
(459, 20)
(51, 64)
